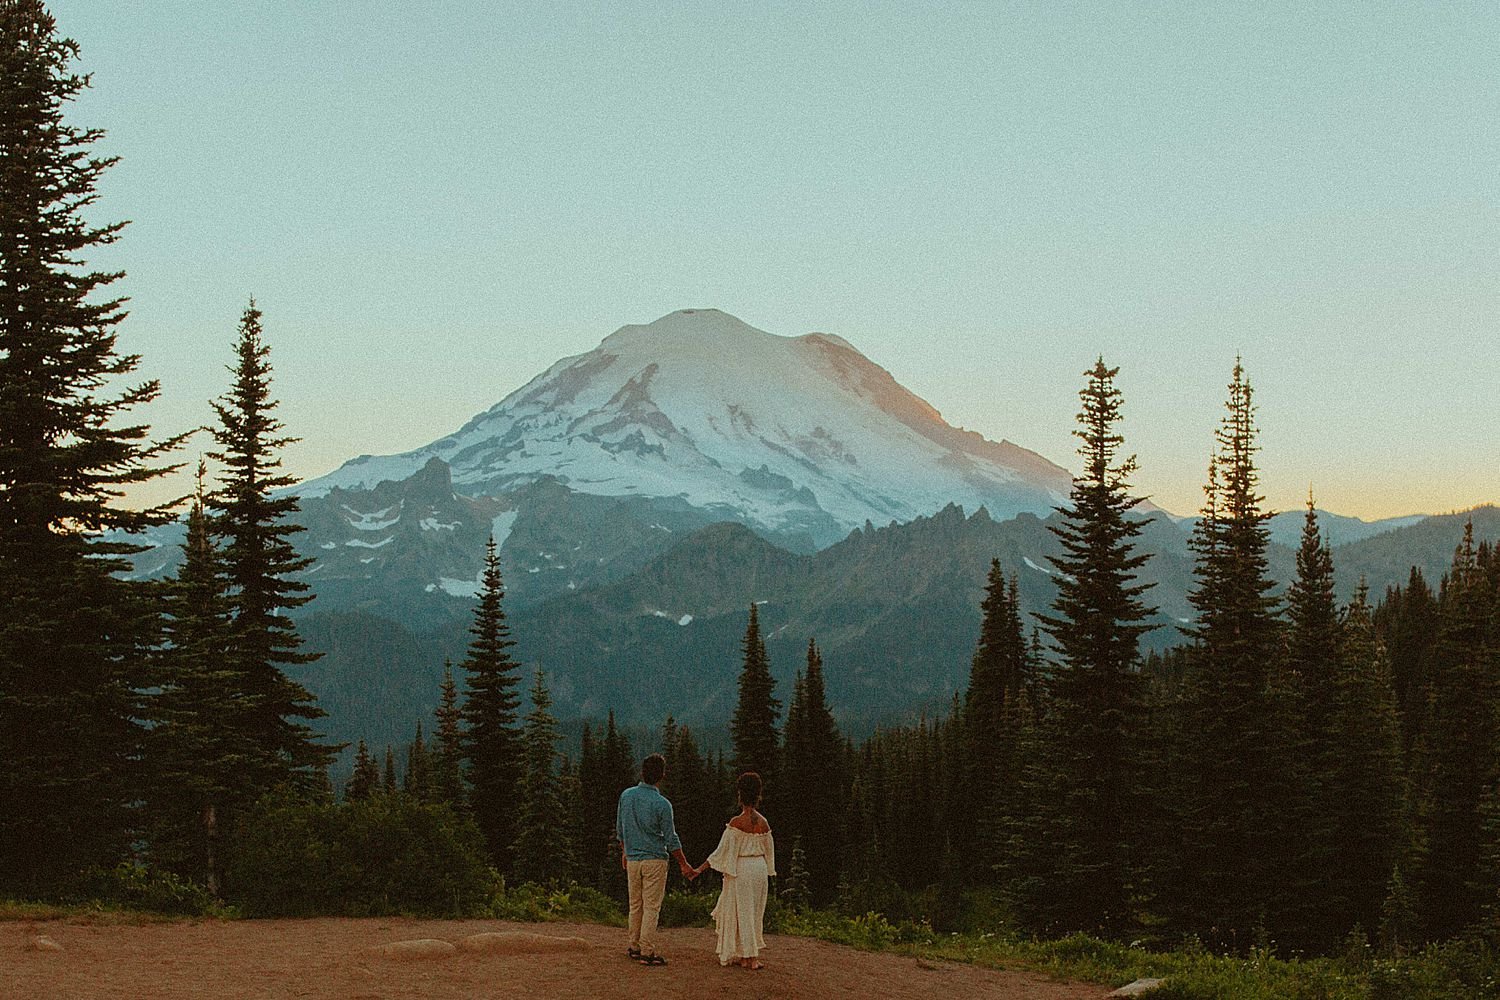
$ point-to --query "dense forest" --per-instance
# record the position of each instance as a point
(1291, 773)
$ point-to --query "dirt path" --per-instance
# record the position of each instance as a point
(326, 958)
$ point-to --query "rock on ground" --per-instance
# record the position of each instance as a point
(521, 943)
(414, 949)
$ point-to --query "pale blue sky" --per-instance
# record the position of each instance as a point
(432, 203)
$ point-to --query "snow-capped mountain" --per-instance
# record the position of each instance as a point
(790, 435)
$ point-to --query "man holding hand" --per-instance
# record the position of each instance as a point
(648, 836)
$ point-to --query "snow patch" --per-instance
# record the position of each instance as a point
(433, 524)
(1027, 561)
(459, 588)
(501, 525)
(685, 619)
(377, 521)
(360, 543)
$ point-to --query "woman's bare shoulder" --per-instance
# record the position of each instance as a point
(754, 824)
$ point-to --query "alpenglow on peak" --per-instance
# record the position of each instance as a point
(786, 434)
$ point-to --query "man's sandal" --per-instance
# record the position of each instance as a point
(652, 960)
(634, 954)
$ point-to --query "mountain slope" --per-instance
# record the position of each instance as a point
(895, 611)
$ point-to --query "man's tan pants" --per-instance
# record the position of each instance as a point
(648, 884)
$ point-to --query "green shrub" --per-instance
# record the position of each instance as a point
(687, 909)
(137, 887)
(384, 855)
(533, 903)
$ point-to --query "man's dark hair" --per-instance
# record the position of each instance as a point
(653, 768)
(749, 789)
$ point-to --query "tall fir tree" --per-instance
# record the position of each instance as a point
(1407, 621)
(388, 783)
(700, 802)
(254, 527)
(1228, 816)
(194, 757)
(602, 776)
(812, 781)
(491, 735)
(1366, 775)
(1458, 756)
(74, 637)
(447, 746)
(990, 724)
(1308, 910)
(753, 728)
(595, 822)
(1095, 709)
(365, 781)
(544, 845)
(418, 779)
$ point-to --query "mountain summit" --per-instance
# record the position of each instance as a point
(790, 435)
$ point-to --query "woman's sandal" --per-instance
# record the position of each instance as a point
(651, 960)
(634, 954)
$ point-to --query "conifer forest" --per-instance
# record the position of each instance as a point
(1292, 771)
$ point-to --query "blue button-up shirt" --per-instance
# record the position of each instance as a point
(643, 822)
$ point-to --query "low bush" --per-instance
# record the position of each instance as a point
(688, 909)
(134, 886)
(384, 855)
(532, 903)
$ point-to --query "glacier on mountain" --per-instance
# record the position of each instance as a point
(787, 434)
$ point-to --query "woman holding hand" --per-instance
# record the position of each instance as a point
(746, 856)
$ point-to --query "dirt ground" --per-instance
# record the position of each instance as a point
(328, 958)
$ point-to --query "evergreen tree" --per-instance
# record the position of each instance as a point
(1366, 784)
(755, 714)
(365, 780)
(1398, 916)
(193, 755)
(388, 785)
(491, 738)
(74, 638)
(418, 780)
(260, 566)
(1310, 910)
(812, 781)
(447, 746)
(543, 825)
(1458, 759)
(996, 678)
(1408, 622)
(596, 818)
(605, 769)
(795, 890)
(699, 800)
(1095, 706)
(1230, 830)
(1486, 879)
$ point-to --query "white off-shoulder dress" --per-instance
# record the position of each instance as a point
(746, 861)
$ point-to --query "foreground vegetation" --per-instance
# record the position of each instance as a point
(1457, 970)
